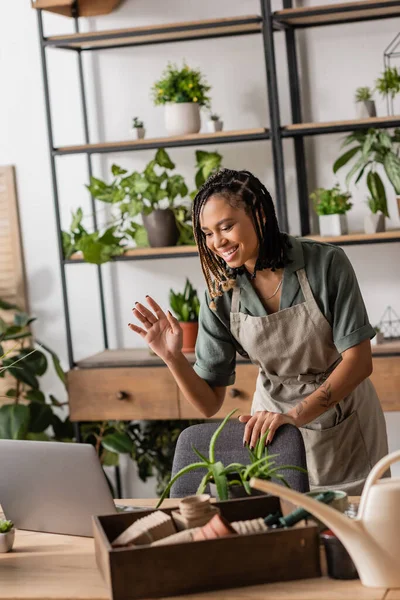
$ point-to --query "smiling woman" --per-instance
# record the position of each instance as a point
(295, 309)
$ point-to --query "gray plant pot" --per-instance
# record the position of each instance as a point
(374, 222)
(235, 491)
(161, 228)
(366, 109)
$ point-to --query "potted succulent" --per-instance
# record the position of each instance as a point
(186, 307)
(7, 535)
(183, 91)
(388, 84)
(365, 103)
(234, 475)
(138, 129)
(214, 123)
(331, 206)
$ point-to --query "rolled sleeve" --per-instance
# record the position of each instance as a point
(215, 349)
(350, 322)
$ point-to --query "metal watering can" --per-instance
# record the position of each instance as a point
(373, 538)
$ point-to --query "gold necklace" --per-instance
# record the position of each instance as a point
(276, 291)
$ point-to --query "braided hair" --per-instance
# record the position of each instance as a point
(240, 189)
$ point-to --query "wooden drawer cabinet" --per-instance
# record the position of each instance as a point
(386, 379)
(122, 394)
(139, 386)
(239, 395)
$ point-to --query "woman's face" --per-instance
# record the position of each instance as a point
(229, 232)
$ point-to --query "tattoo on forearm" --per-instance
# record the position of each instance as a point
(325, 397)
(300, 407)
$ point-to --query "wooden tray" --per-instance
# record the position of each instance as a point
(151, 572)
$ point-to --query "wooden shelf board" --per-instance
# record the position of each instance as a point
(141, 357)
(87, 8)
(333, 13)
(343, 125)
(165, 252)
(158, 33)
(359, 238)
(188, 251)
(192, 139)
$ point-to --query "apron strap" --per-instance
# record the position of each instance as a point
(235, 299)
(305, 286)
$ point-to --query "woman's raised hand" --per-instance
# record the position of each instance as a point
(160, 330)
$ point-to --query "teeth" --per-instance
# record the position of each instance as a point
(230, 252)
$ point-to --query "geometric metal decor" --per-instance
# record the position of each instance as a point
(390, 53)
(389, 324)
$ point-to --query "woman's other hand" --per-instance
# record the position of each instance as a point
(257, 425)
(160, 330)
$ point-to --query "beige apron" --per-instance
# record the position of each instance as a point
(295, 352)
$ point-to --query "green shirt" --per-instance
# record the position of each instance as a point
(336, 291)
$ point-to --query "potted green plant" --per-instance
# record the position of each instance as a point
(365, 103)
(183, 91)
(214, 123)
(186, 307)
(138, 129)
(7, 535)
(371, 149)
(28, 414)
(235, 474)
(388, 85)
(331, 206)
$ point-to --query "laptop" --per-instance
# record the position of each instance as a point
(53, 487)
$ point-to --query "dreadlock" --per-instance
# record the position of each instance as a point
(240, 189)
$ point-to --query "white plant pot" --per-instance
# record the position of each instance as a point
(7, 540)
(138, 133)
(213, 126)
(374, 222)
(333, 225)
(366, 109)
(378, 339)
(398, 204)
(182, 118)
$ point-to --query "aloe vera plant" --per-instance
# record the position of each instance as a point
(261, 466)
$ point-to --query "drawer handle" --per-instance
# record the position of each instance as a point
(234, 393)
(122, 395)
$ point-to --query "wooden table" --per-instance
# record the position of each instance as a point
(59, 567)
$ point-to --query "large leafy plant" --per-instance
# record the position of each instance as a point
(29, 414)
(131, 194)
(150, 444)
(261, 466)
(186, 304)
(331, 201)
(181, 85)
(373, 149)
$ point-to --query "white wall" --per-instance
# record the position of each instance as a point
(333, 62)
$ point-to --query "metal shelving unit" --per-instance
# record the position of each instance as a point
(267, 24)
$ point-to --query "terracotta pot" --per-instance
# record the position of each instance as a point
(161, 228)
(190, 330)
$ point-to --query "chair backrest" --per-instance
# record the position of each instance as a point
(288, 443)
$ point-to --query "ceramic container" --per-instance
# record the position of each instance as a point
(333, 225)
(7, 540)
(182, 118)
(138, 133)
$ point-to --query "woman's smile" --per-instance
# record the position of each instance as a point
(229, 232)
